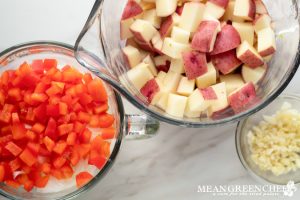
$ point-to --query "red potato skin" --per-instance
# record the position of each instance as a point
(208, 93)
(166, 27)
(150, 89)
(131, 9)
(179, 10)
(267, 52)
(204, 36)
(252, 9)
(221, 3)
(226, 40)
(250, 59)
(194, 64)
(243, 98)
(221, 114)
(226, 62)
(164, 68)
(138, 36)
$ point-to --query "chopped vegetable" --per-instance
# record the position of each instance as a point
(45, 118)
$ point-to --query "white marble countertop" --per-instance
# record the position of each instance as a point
(168, 166)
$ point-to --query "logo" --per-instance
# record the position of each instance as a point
(249, 190)
(290, 189)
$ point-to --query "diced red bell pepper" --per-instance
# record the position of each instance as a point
(50, 63)
(40, 112)
(106, 120)
(13, 148)
(67, 171)
(97, 90)
(60, 147)
(97, 143)
(83, 149)
(30, 116)
(108, 133)
(96, 159)
(71, 139)
(49, 143)
(53, 90)
(39, 97)
(28, 186)
(2, 98)
(52, 110)
(5, 114)
(84, 117)
(101, 108)
(38, 128)
(46, 168)
(28, 157)
(83, 178)
(30, 135)
(38, 66)
(75, 157)
(14, 94)
(51, 129)
(41, 87)
(85, 136)
(34, 148)
(87, 77)
(59, 161)
(85, 99)
(63, 108)
(65, 129)
(18, 131)
(15, 164)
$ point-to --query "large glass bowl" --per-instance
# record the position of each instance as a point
(243, 147)
(11, 59)
(100, 39)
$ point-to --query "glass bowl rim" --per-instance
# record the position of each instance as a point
(44, 43)
(238, 132)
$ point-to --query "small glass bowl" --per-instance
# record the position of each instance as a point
(243, 148)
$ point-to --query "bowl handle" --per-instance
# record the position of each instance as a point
(140, 127)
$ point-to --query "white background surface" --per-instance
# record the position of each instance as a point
(169, 166)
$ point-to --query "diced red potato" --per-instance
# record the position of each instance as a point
(131, 55)
(195, 104)
(209, 93)
(150, 16)
(165, 8)
(227, 39)
(195, 64)
(167, 25)
(248, 55)
(162, 63)
(174, 49)
(226, 62)
(131, 42)
(221, 101)
(176, 105)
(185, 42)
(148, 60)
(191, 16)
(132, 9)
(246, 31)
(185, 87)
(253, 75)
(205, 36)
(260, 7)
(229, 16)
(171, 81)
(232, 82)
(157, 43)
(139, 75)
(207, 79)
(180, 35)
(213, 10)
(261, 22)
(143, 30)
(245, 9)
(242, 98)
(150, 89)
(266, 44)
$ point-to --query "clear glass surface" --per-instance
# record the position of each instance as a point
(243, 148)
(100, 40)
(136, 126)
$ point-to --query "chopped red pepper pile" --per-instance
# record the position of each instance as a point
(45, 116)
